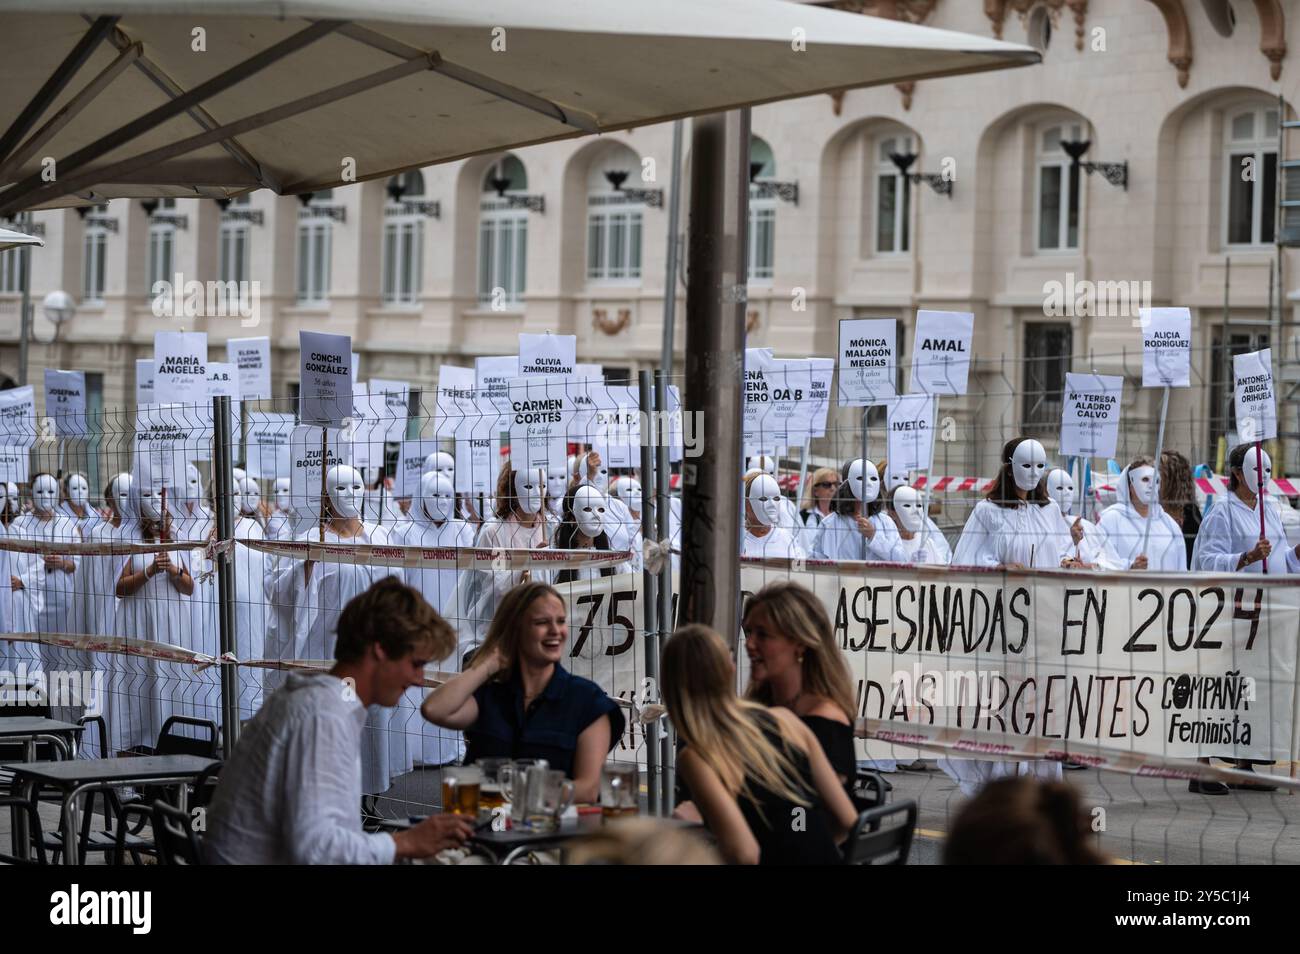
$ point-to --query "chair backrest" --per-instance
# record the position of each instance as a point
(873, 843)
(173, 742)
(205, 785)
(868, 790)
(174, 835)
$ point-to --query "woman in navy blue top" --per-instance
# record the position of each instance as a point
(517, 701)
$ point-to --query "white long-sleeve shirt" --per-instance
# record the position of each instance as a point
(1231, 529)
(291, 791)
(1023, 533)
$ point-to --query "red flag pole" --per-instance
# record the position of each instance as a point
(1259, 495)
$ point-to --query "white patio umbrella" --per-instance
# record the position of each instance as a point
(218, 97)
(11, 239)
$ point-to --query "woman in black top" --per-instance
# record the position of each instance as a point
(1178, 496)
(753, 771)
(795, 663)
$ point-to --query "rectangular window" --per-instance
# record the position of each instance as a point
(1241, 199)
(1268, 198)
(11, 270)
(613, 244)
(93, 267)
(1047, 358)
(1049, 207)
(1223, 409)
(314, 241)
(234, 253)
(762, 236)
(161, 247)
(886, 210)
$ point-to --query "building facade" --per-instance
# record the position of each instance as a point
(1176, 104)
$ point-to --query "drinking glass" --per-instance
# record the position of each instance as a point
(547, 793)
(461, 787)
(619, 790)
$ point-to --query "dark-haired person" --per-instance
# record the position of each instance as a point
(1125, 524)
(517, 701)
(1229, 540)
(764, 535)
(584, 513)
(1016, 525)
(857, 530)
(1178, 497)
(290, 790)
(758, 776)
(519, 521)
(1020, 821)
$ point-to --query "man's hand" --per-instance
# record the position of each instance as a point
(1140, 563)
(15, 583)
(866, 527)
(436, 833)
(593, 465)
(1261, 551)
(53, 562)
(1076, 531)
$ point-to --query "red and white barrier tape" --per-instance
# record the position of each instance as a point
(96, 548)
(441, 558)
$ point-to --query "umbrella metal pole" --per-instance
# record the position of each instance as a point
(663, 512)
(225, 571)
(715, 359)
(648, 691)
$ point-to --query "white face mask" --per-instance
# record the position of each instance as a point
(765, 500)
(238, 473)
(557, 481)
(121, 491)
(764, 463)
(78, 490)
(1028, 464)
(346, 489)
(629, 491)
(438, 496)
(440, 462)
(907, 504)
(1142, 480)
(601, 480)
(11, 494)
(150, 503)
(282, 493)
(864, 481)
(249, 496)
(528, 490)
(589, 511)
(193, 485)
(1251, 469)
(1060, 487)
(45, 494)
(894, 479)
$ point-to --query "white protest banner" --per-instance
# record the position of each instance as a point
(793, 403)
(363, 427)
(555, 355)
(1166, 347)
(490, 377)
(910, 422)
(758, 437)
(165, 443)
(144, 373)
(455, 410)
(306, 477)
(586, 399)
(1256, 401)
(541, 410)
(941, 350)
(616, 426)
(18, 417)
(397, 406)
(181, 366)
(325, 392)
(868, 361)
(410, 465)
(222, 381)
(252, 358)
(821, 372)
(1090, 414)
(268, 445)
(478, 463)
(65, 402)
(14, 464)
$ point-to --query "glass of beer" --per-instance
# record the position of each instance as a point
(547, 793)
(514, 780)
(619, 790)
(461, 787)
(494, 792)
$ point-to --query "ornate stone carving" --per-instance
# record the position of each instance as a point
(909, 11)
(1180, 37)
(751, 322)
(611, 326)
(1272, 34)
(997, 10)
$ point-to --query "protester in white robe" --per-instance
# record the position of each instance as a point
(280, 526)
(251, 608)
(624, 532)
(626, 491)
(1085, 541)
(1015, 525)
(557, 486)
(789, 510)
(1125, 524)
(586, 527)
(764, 537)
(317, 593)
(196, 522)
(76, 503)
(1229, 540)
(857, 529)
(905, 505)
(412, 739)
(101, 572)
(440, 462)
(154, 592)
(22, 604)
(49, 578)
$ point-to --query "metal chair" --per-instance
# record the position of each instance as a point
(869, 790)
(17, 804)
(873, 843)
(174, 834)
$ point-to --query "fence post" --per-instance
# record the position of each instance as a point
(663, 480)
(222, 466)
(649, 599)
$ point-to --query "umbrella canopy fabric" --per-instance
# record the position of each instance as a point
(214, 98)
(11, 239)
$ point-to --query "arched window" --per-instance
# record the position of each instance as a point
(614, 219)
(1250, 183)
(893, 196)
(403, 239)
(502, 234)
(94, 248)
(162, 244)
(234, 252)
(762, 212)
(1058, 188)
(315, 245)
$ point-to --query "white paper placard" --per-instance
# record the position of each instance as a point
(454, 405)
(396, 406)
(756, 399)
(910, 423)
(554, 355)
(14, 464)
(541, 409)
(1090, 412)
(585, 400)
(364, 428)
(410, 465)
(490, 377)
(616, 427)
(325, 392)
(65, 402)
(144, 392)
(1255, 397)
(941, 350)
(18, 417)
(252, 359)
(268, 445)
(1166, 347)
(868, 361)
(305, 478)
(164, 445)
(822, 371)
(793, 403)
(478, 464)
(181, 366)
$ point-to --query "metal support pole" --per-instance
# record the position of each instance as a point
(225, 478)
(670, 271)
(1155, 478)
(715, 360)
(649, 598)
(243, 435)
(663, 511)
(25, 318)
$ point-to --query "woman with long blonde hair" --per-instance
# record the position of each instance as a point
(752, 771)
